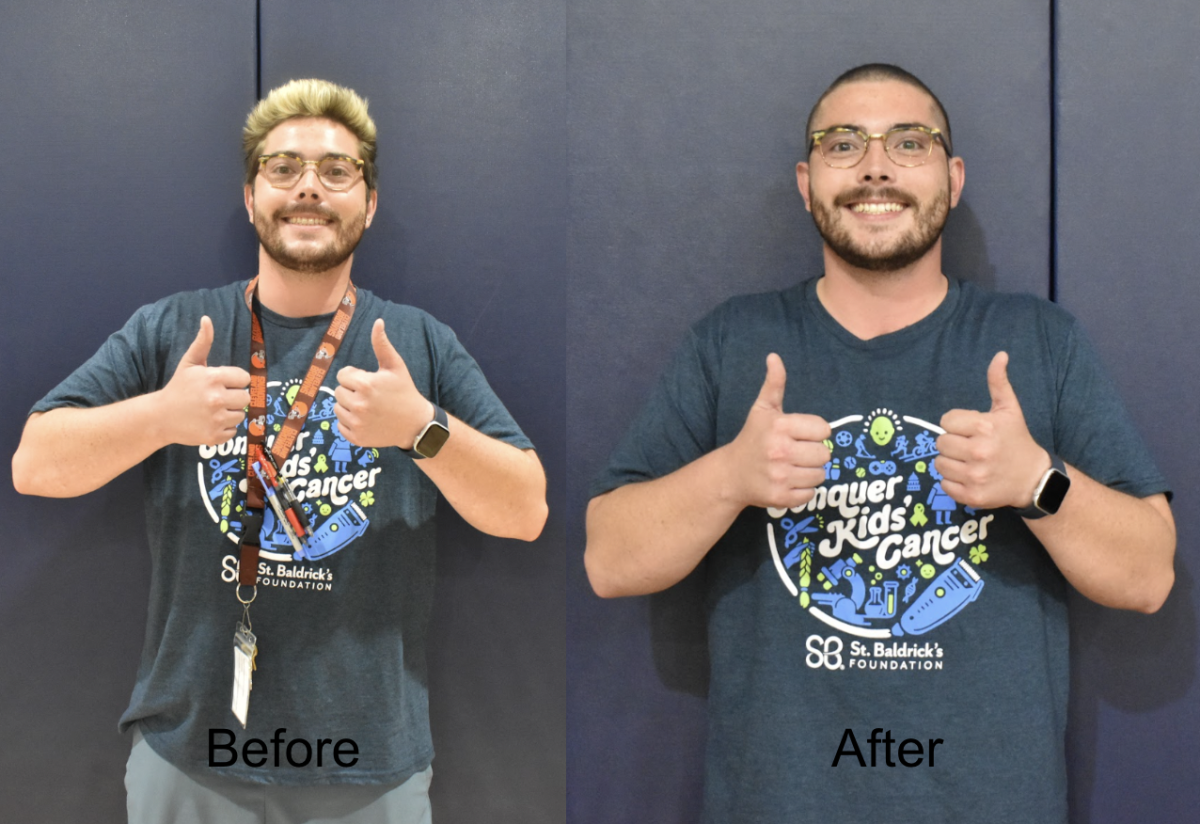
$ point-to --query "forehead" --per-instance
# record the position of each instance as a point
(877, 106)
(311, 137)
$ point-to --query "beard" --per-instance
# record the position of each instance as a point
(930, 219)
(306, 258)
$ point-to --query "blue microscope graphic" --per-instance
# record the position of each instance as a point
(862, 604)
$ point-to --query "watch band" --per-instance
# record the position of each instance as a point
(432, 438)
(1049, 493)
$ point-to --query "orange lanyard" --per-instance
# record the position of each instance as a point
(256, 424)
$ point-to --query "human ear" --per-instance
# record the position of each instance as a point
(958, 178)
(372, 203)
(802, 183)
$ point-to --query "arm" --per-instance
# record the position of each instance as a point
(1116, 549)
(496, 487)
(68, 451)
(72, 451)
(644, 537)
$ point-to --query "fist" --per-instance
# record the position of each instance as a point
(204, 404)
(381, 408)
(989, 459)
(778, 459)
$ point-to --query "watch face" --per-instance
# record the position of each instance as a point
(1053, 491)
(432, 440)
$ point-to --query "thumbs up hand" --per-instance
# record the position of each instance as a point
(989, 459)
(382, 408)
(204, 404)
(778, 459)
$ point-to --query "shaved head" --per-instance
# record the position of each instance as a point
(870, 72)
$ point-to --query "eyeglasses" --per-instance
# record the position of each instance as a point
(337, 172)
(843, 148)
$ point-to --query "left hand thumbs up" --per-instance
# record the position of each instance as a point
(381, 408)
(989, 459)
(385, 353)
(1004, 397)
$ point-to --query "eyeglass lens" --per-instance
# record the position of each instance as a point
(843, 148)
(336, 173)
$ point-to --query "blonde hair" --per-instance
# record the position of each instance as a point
(309, 98)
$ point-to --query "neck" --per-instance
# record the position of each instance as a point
(869, 304)
(300, 294)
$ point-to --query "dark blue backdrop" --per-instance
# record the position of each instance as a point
(1125, 263)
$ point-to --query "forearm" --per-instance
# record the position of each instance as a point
(1116, 549)
(71, 451)
(647, 536)
(496, 487)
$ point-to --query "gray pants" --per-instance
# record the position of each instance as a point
(160, 793)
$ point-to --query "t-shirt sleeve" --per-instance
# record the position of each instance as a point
(125, 366)
(463, 391)
(1092, 429)
(678, 424)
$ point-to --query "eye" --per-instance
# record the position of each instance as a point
(844, 144)
(911, 143)
(840, 142)
(281, 166)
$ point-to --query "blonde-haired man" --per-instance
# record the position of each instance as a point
(294, 431)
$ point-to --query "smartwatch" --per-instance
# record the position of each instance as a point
(432, 438)
(1050, 491)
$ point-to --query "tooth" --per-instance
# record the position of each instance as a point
(877, 208)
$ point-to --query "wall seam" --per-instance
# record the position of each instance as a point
(258, 50)
(1054, 107)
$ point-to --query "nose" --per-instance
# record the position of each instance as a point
(308, 186)
(876, 166)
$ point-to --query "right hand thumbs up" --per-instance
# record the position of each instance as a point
(197, 353)
(778, 459)
(203, 404)
(771, 394)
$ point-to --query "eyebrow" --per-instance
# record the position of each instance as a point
(297, 155)
(857, 128)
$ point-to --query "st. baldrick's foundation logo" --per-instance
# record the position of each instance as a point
(881, 551)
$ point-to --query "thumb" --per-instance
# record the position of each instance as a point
(1003, 395)
(197, 353)
(771, 394)
(385, 353)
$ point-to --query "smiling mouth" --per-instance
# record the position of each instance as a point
(307, 221)
(876, 208)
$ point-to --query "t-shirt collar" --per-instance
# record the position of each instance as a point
(901, 337)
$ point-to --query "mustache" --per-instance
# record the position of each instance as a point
(318, 209)
(873, 193)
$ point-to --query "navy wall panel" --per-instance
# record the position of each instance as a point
(686, 120)
(1126, 258)
(469, 98)
(121, 181)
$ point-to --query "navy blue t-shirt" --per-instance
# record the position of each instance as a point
(884, 604)
(341, 629)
